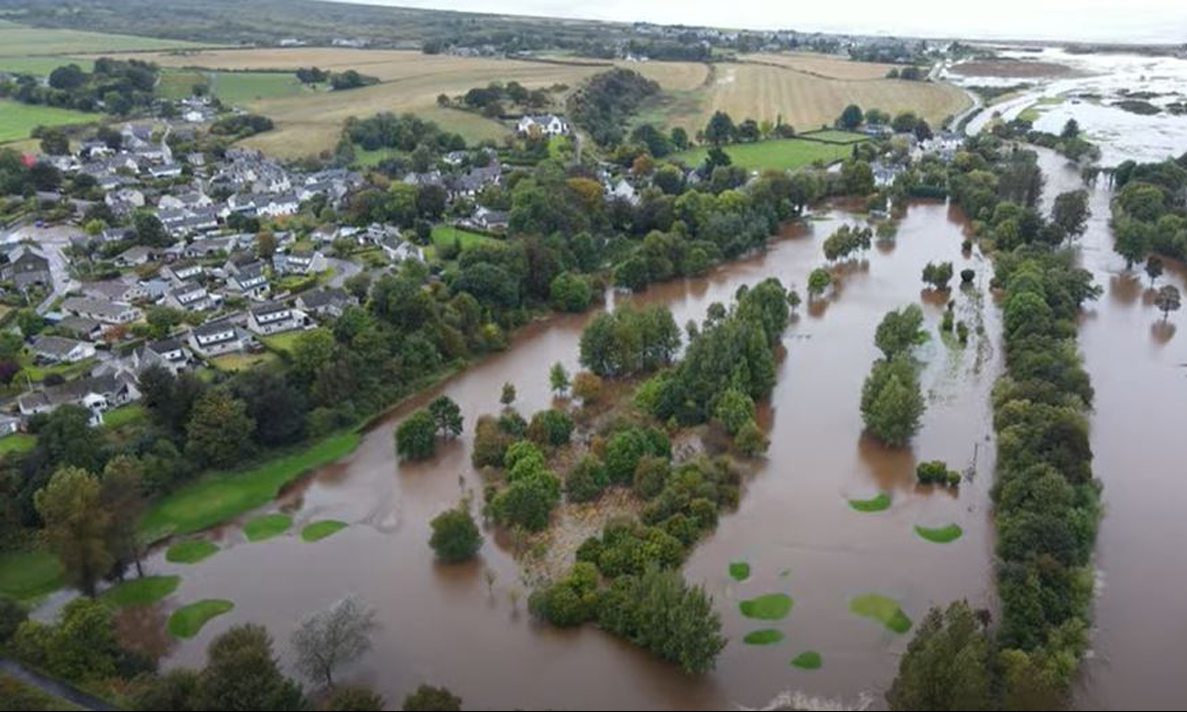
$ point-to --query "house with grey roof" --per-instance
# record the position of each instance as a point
(274, 318)
(325, 302)
(95, 393)
(168, 353)
(59, 349)
(101, 310)
(114, 290)
(27, 267)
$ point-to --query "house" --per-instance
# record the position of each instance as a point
(284, 204)
(398, 250)
(326, 302)
(547, 124)
(215, 338)
(167, 353)
(9, 424)
(96, 393)
(136, 256)
(181, 273)
(273, 318)
(80, 327)
(299, 262)
(248, 279)
(58, 349)
(191, 297)
(124, 200)
(421, 180)
(165, 170)
(101, 310)
(490, 220)
(474, 180)
(455, 158)
(114, 290)
(209, 246)
(27, 267)
(623, 190)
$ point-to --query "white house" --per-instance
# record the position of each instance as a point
(273, 318)
(217, 338)
(299, 262)
(167, 353)
(191, 297)
(547, 124)
(101, 310)
(58, 349)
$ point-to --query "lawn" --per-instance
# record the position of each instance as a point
(808, 660)
(320, 530)
(17, 442)
(187, 621)
(267, 526)
(179, 83)
(766, 636)
(282, 343)
(124, 415)
(739, 570)
(26, 575)
(67, 371)
(191, 552)
(778, 154)
(17, 120)
(446, 234)
(769, 607)
(218, 497)
(876, 504)
(141, 591)
(240, 361)
(236, 88)
(370, 159)
(882, 609)
(835, 136)
(940, 535)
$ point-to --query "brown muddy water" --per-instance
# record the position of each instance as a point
(1139, 370)
(463, 628)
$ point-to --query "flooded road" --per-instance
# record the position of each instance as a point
(467, 627)
(1138, 366)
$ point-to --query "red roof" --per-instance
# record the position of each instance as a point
(29, 160)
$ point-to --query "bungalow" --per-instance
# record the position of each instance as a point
(101, 310)
(490, 220)
(181, 273)
(423, 179)
(165, 170)
(191, 297)
(209, 246)
(623, 190)
(326, 302)
(248, 279)
(470, 183)
(547, 124)
(299, 262)
(124, 201)
(26, 268)
(58, 349)
(80, 327)
(136, 256)
(215, 338)
(96, 393)
(273, 318)
(286, 204)
(114, 290)
(398, 250)
(168, 353)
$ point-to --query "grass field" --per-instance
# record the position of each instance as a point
(124, 415)
(241, 88)
(17, 442)
(219, 497)
(26, 575)
(768, 607)
(179, 83)
(267, 526)
(282, 343)
(829, 66)
(187, 621)
(20, 695)
(835, 136)
(779, 154)
(882, 609)
(17, 119)
(240, 361)
(141, 591)
(808, 660)
(20, 41)
(40, 66)
(446, 234)
(940, 535)
(191, 552)
(766, 636)
(875, 504)
(739, 570)
(320, 530)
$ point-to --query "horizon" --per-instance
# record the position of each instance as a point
(1100, 21)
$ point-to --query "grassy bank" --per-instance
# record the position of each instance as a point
(218, 497)
(779, 154)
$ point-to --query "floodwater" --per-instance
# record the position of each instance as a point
(467, 627)
(1138, 366)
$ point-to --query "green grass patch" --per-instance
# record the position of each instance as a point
(191, 552)
(141, 591)
(883, 609)
(27, 575)
(267, 526)
(41, 66)
(875, 504)
(68, 371)
(179, 83)
(320, 530)
(17, 120)
(370, 159)
(218, 497)
(444, 235)
(124, 415)
(777, 154)
(835, 136)
(247, 87)
(187, 621)
(240, 361)
(940, 535)
(739, 570)
(766, 636)
(17, 442)
(768, 607)
(21, 40)
(808, 660)
(282, 343)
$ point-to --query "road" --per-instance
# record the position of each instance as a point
(53, 687)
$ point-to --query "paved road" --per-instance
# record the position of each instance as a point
(53, 687)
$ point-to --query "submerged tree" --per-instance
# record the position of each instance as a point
(818, 281)
(455, 535)
(946, 666)
(329, 639)
(1153, 268)
(447, 416)
(1168, 300)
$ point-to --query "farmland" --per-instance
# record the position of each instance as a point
(781, 154)
(17, 120)
(20, 41)
(822, 65)
(40, 66)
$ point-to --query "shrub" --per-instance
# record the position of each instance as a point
(455, 535)
(588, 387)
(751, 441)
(570, 601)
(936, 472)
(551, 427)
(586, 480)
(651, 474)
(967, 276)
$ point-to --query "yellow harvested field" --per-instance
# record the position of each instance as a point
(672, 76)
(823, 65)
(807, 102)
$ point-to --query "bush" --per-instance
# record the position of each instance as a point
(936, 472)
(627, 447)
(651, 474)
(586, 480)
(12, 614)
(490, 443)
(455, 535)
(751, 441)
(551, 427)
(630, 548)
(967, 276)
(570, 601)
(416, 437)
(528, 501)
(962, 332)
(432, 699)
(588, 387)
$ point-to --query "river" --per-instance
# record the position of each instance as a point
(443, 625)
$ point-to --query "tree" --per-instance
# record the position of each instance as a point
(1070, 212)
(900, 330)
(176, 689)
(329, 639)
(219, 430)
(857, 177)
(750, 440)
(818, 281)
(734, 409)
(891, 402)
(938, 275)
(241, 674)
(946, 666)
(528, 501)
(455, 535)
(558, 378)
(54, 142)
(430, 699)
(570, 292)
(1168, 300)
(1153, 268)
(120, 493)
(77, 527)
(680, 138)
(265, 244)
(416, 437)
(12, 614)
(354, 698)
(447, 415)
(588, 387)
(850, 118)
(311, 352)
(1071, 129)
(508, 395)
(720, 129)
(149, 230)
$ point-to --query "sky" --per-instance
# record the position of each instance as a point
(1130, 21)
